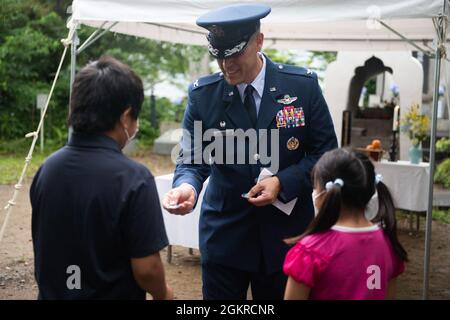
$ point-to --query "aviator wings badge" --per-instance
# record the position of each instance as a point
(287, 99)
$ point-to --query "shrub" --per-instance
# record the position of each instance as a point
(443, 145)
(442, 175)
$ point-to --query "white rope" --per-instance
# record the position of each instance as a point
(12, 202)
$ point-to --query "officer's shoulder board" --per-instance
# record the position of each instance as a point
(207, 80)
(285, 68)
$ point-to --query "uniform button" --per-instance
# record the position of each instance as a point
(256, 157)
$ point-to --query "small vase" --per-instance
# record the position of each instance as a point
(415, 154)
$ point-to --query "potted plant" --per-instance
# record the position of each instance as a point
(415, 125)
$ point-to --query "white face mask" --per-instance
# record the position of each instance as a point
(372, 207)
(315, 195)
(129, 139)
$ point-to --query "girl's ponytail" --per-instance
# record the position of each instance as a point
(386, 216)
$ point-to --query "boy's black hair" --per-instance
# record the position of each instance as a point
(101, 92)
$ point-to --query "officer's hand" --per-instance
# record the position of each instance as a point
(265, 192)
(179, 200)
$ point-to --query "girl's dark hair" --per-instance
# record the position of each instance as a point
(358, 174)
(102, 91)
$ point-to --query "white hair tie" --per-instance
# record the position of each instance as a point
(329, 185)
(378, 178)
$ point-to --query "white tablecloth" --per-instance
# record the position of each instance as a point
(407, 182)
(181, 230)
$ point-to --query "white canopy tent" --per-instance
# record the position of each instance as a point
(307, 24)
(327, 25)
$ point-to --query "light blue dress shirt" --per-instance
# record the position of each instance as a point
(258, 85)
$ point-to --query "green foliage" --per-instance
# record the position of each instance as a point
(328, 56)
(291, 57)
(14, 147)
(29, 46)
(442, 175)
(30, 49)
(371, 87)
(286, 57)
(153, 61)
(165, 111)
(11, 167)
(443, 145)
(168, 111)
(314, 60)
(442, 215)
(147, 132)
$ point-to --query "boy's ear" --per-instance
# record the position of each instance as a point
(124, 117)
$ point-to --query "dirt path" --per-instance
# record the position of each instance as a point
(183, 274)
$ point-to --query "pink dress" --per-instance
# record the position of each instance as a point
(344, 263)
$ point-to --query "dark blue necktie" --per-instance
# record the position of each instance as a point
(250, 105)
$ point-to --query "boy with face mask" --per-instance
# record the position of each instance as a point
(97, 224)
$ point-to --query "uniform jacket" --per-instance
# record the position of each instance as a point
(232, 231)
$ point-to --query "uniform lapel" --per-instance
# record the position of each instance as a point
(269, 106)
(234, 108)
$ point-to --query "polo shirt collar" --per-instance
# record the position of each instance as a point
(87, 140)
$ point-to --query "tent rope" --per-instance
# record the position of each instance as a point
(35, 134)
(442, 38)
(440, 23)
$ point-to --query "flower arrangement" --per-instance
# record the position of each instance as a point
(415, 125)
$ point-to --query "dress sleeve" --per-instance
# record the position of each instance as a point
(304, 265)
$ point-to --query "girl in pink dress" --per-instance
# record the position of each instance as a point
(343, 255)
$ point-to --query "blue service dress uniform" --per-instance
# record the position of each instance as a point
(234, 233)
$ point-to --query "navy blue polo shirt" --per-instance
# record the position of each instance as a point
(93, 209)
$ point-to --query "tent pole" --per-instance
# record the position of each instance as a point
(87, 44)
(91, 36)
(73, 66)
(404, 38)
(437, 70)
